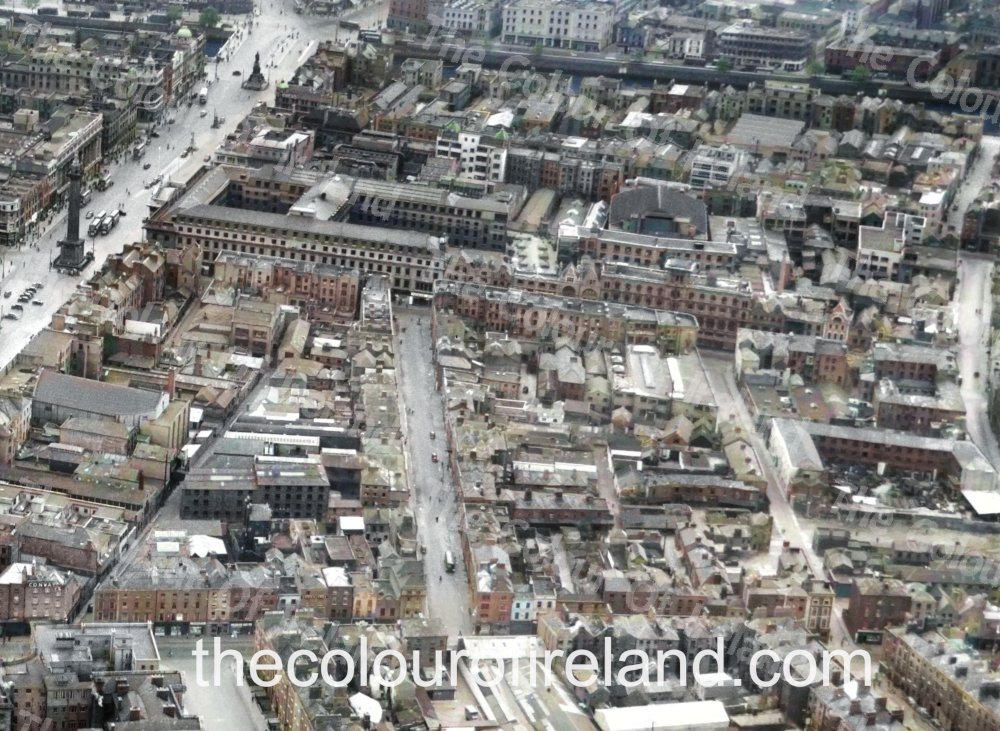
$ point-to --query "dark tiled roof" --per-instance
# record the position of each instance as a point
(93, 397)
(657, 199)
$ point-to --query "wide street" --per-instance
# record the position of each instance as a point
(973, 305)
(271, 35)
(432, 490)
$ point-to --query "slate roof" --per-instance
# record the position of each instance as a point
(94, 397)
(657, 199)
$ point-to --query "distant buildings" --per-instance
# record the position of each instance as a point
(746, 44)
(580, 26)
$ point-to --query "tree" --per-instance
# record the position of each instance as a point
(861, 75)
(174, 13)
(209, 18)
(814, 68)
(723, 65)
(31, 4)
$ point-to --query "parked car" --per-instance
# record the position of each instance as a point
(147, 166)
(8, 293)
(17, 307)
(37, 303)
(237, 72)
(434, 457)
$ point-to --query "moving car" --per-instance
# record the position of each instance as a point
(434, 457)
(37, 303)
(147, 166)
(237, 72)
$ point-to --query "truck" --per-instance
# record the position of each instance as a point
(203, 95)
(449, 562)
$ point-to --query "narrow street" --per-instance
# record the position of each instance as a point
(721, 378)
(432, 492)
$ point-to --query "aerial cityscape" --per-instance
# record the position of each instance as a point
(467, 365)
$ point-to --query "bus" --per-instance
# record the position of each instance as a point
(449, 562)
(139, 150)
(85, 196)
(95, 224)
(108, 223)
(104, 182)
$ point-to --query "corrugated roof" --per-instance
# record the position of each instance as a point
(94, 397)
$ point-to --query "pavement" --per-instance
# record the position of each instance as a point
(433, 495)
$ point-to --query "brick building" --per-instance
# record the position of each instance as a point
(876, 604)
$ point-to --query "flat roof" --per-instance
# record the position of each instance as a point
(291, 226)
(655, 716)
(983, 502)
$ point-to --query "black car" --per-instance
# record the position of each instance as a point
(147, 166)
(154, 135)
(17, 307)
(237, 72)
